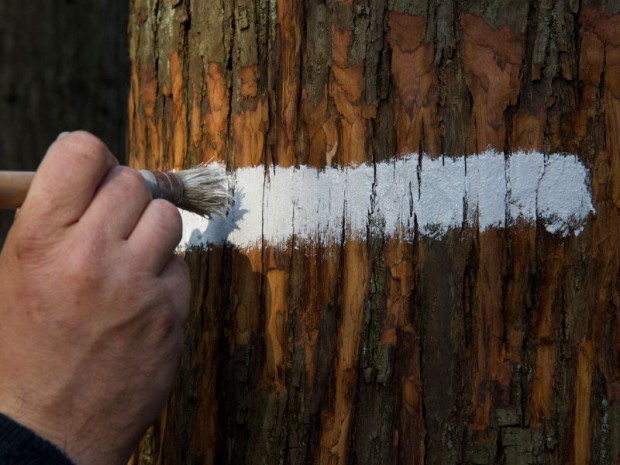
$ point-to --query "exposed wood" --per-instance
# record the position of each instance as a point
(479, 346)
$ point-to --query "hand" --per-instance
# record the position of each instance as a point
(92, 304)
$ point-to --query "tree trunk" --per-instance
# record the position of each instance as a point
(64, 66)
(457, 299)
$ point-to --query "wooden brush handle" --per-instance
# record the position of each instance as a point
(14, 186)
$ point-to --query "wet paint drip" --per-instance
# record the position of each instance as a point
(485, 190)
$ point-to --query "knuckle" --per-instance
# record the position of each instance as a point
(167, 218)
(179, 284)
(130, 182)
(85, 139)
(181, 277)
(86, 148)
(184, 273)
(84, 265)
(165, 322)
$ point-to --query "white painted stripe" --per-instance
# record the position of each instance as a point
(487, 189)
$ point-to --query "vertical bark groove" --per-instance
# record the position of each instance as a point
(478, 346)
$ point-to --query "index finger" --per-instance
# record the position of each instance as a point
(67, 178)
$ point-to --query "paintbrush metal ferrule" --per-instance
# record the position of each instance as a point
(164, 185)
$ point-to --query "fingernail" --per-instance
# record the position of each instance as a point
(63, 135)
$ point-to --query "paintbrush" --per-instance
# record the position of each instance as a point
(203, 190)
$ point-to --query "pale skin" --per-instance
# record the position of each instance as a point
(92, 306)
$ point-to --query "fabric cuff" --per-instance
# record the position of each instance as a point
(19, 445)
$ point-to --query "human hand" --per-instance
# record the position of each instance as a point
(92, 304)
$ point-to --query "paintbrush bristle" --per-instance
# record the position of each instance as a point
(206, 190)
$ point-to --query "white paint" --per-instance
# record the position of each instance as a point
(484, 190)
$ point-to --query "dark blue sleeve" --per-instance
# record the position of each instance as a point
(21, 446)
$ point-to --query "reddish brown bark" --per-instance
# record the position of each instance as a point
(496, 346)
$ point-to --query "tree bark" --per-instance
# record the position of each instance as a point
(64, 67)
(481, 345)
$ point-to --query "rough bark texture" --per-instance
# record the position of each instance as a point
(63, 66)
(496, 347)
